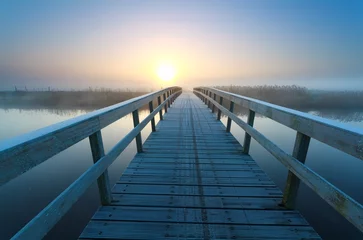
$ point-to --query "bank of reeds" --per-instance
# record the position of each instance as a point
(300, 98)
(84, 99)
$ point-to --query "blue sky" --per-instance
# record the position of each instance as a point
(120, 43)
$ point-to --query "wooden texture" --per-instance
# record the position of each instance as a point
(341, 202)
(103, 181)
(247, 140)
(193, 182)
(151, 108)
(229, 120)
(135, 118)
(292, 184)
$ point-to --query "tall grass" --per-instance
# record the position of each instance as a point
(83, 99)
(300, 98)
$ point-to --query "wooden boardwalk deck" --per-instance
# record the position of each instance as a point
(193, 182)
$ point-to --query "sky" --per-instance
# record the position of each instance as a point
(121, 44)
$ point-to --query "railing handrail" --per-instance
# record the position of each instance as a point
(340, 201)
(22, 153)
(41, 224)
(338, 135)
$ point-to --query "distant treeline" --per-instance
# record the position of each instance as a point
(299, 97)
(85, 99)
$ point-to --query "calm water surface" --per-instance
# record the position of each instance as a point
(22, 198)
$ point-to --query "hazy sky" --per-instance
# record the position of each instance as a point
(120, 43)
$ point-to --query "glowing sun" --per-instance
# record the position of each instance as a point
(166, 72)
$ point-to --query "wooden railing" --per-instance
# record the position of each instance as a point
(22, 153)
(339, 136)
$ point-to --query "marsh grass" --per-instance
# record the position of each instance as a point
(300, 98)
(84, 99)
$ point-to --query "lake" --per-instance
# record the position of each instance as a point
(22, 198)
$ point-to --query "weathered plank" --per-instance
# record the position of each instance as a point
(195, 190)
(194, 215)
(153, 230)
(266, 203)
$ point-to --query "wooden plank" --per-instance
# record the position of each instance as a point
(194, 215)
(204, 167)
(225, 161)
(152, 230)
(194, 190)
(194, 201)
(187, 181)
(189, 173)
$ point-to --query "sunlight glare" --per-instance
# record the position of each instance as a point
(166, 72)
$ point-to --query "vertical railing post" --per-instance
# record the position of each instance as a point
(135, 117)
(292, 184)
(103, 181)
(161, 110)
(229, 121)
(219, 110)
(209, 102)
(214, 98)
(167, 95)
(206, 99)
(247, 141)
(166, 105)
(151, 108)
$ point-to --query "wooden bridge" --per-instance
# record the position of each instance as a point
(191, 179)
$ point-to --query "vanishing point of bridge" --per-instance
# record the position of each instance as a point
(191, 179)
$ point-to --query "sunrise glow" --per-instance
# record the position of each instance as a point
(166, 72)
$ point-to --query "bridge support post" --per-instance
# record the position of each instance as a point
(166, 105)
(151, 108)
(292, 184)
(103, 181)
(247, 141)
(161, 111)
(214, 98)
(219, 111)
(135, 117)
(229, 121)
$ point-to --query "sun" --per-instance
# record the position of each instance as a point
(166, 72)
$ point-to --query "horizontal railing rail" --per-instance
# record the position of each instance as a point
(25, 152)
(339, 136)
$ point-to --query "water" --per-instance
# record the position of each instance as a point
(22, 198)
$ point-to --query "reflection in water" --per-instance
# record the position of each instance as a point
(64, 112)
